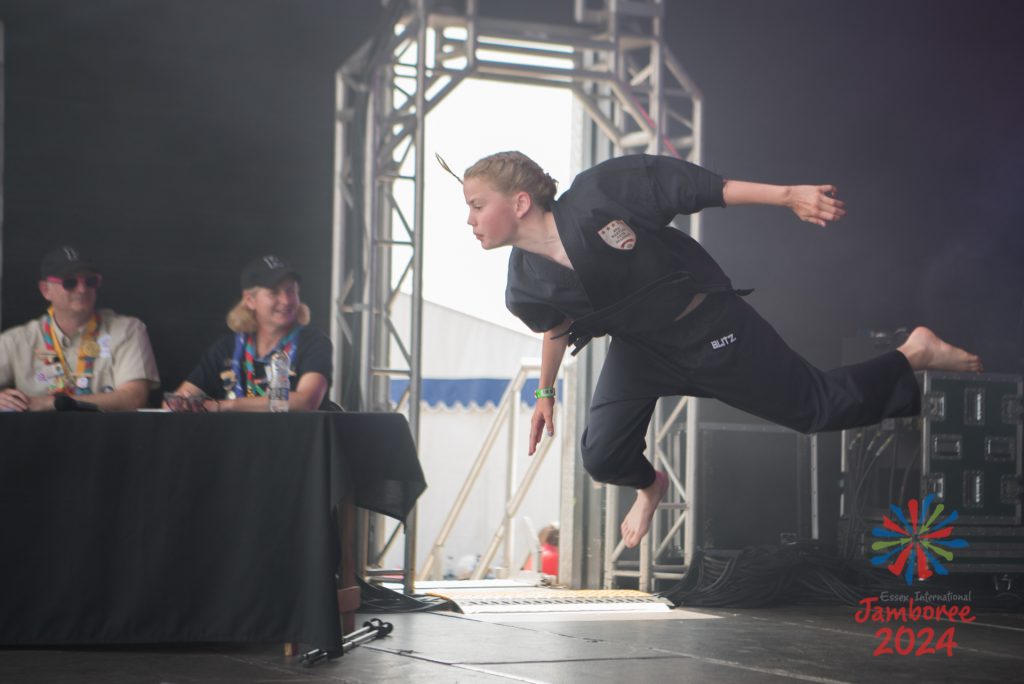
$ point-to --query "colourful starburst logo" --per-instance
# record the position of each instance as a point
(916, 545)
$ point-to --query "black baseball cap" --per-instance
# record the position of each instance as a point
(64, 261)
(267, 271)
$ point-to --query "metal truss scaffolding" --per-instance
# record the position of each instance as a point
(632, 95)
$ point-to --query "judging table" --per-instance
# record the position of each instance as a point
(187, 527)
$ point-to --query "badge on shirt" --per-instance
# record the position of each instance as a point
(48, 375)
(90, 348)
(104, 341)
(52, 377)
(619, 235)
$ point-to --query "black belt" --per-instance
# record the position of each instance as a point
(623, 313)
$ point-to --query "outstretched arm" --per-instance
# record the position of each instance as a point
(812, 203)
(552, 351)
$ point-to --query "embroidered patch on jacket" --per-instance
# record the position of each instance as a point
(724, 341)
(619, 235)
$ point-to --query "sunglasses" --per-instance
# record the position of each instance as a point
(71, 282)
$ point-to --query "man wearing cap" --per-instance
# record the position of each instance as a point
(94, 356)
(269, 317)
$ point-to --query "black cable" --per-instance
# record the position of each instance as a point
(854, 481)
(375, 598)
(906, 474)
(892, 468)
(806, 573)
(866, 470)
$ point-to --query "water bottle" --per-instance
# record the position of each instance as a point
(277, 390)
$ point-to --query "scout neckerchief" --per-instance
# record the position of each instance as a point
(81, 381)
(245, 355)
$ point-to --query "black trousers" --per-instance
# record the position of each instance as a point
(723, 349)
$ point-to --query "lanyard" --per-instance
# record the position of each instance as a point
(245, 355)
(88, 350)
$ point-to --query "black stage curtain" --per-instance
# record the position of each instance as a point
(160, 527)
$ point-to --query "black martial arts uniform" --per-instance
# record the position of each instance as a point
(633, 276)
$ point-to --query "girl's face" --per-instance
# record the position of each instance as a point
(492, 214)
(277, 307)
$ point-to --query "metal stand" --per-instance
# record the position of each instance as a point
(633, 96)
(371, 630)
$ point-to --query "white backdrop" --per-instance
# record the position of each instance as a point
(459, 346)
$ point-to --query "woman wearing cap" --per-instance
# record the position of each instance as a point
(232, 374)
(601, 260)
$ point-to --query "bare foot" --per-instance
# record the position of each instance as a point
(638, 520)
(926, 351)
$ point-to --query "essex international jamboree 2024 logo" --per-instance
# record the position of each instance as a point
(912, 547)
(918, 542)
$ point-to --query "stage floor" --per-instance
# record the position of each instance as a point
(814, 644)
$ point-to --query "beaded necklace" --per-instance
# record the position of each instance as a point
(245, 355)
(64, 381)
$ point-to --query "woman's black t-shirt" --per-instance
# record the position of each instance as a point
(213, 375)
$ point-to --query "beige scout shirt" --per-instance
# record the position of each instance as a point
(125, 355)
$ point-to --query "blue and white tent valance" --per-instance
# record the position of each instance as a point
(451, 392)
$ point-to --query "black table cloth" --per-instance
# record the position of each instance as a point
(160, 527)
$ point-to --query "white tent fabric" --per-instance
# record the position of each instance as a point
(459, 347)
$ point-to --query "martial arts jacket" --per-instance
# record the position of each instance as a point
(638, 273)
